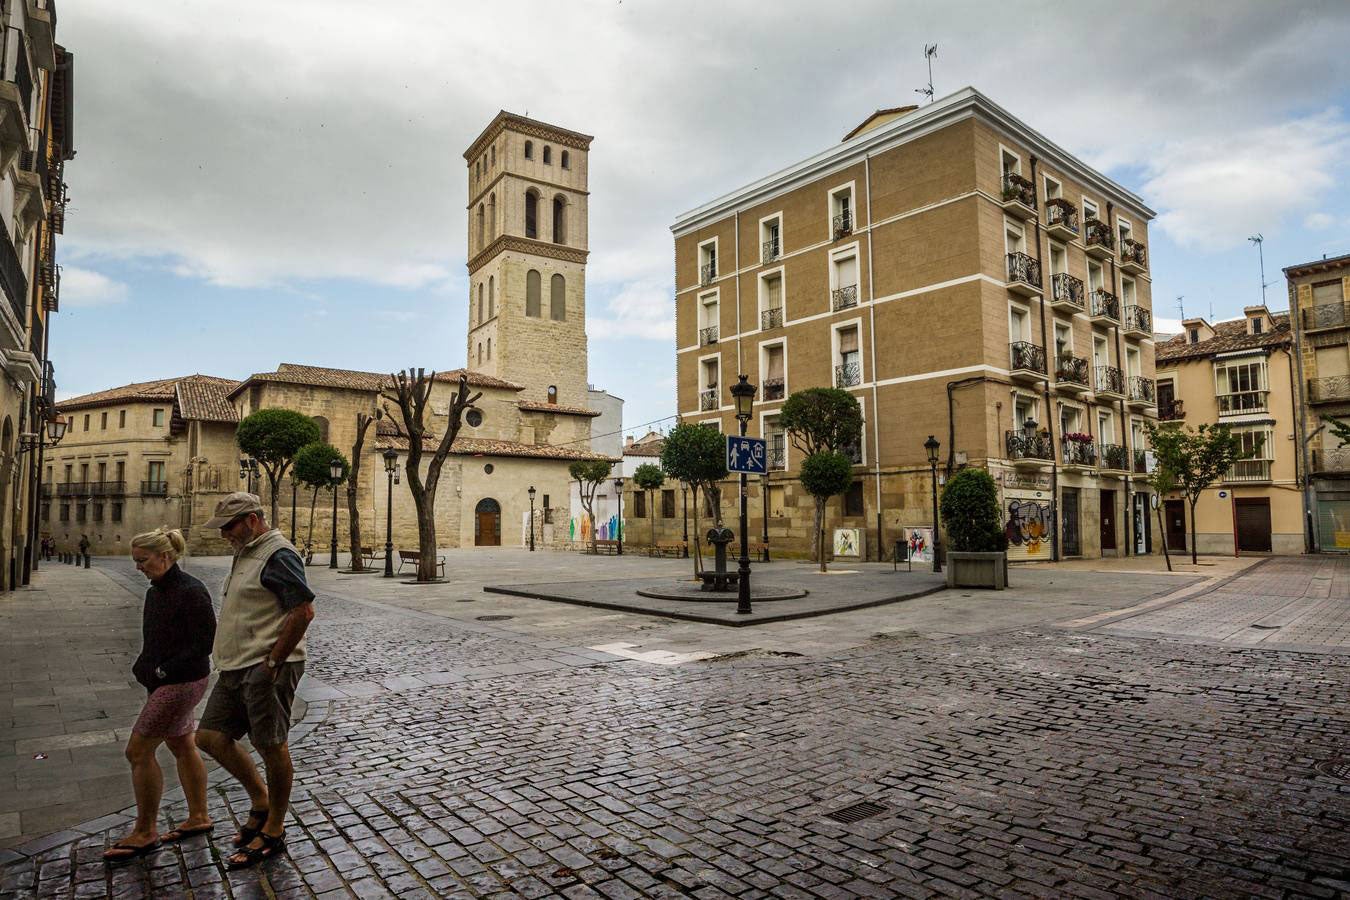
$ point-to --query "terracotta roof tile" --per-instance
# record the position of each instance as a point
(207, 399)
(356, 380)
(557, 408)
(652, 448)
(158, 391)
(1228, 337)
(484, 447)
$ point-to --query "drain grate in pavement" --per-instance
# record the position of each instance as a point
(1334, 768)
(494, 618)
(856, 813)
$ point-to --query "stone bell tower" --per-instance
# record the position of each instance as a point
(527, 257)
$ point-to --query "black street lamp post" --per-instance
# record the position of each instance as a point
(684, 495)
(743, 395)
(54, 431)
(765, 503)
(391, 477)
(931, 446)
(248, 472)
(531, 493)
(335, 474)
(294, 483)
(618, 489)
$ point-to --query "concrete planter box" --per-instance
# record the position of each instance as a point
(979, 570)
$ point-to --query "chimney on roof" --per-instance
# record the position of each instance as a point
(628, 442)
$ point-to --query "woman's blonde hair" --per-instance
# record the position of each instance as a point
(162, 540)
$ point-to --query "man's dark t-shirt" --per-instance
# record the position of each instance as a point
(284, 575)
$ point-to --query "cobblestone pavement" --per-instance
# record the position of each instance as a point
(1026, 761)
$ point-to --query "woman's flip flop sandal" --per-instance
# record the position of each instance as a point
(136, 852)
(271, 846)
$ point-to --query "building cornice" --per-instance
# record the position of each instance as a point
(1317, 266)
(530, 127)
(964, 104)
(509, 242)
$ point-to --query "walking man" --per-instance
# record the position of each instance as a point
(260, 652)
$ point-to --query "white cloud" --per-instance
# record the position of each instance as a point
(85, 287)
(1319, 221)
(642, 309)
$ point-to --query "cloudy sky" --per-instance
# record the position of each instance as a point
(260, 182)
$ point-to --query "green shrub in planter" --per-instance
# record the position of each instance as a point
(970, 513)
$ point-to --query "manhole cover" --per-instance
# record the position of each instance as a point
(494, 618)
(856, 813)
(1334, 768)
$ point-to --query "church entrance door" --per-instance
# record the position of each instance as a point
(487, 523)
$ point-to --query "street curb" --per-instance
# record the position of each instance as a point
(1199, 591)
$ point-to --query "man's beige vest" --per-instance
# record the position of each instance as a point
(250, 614)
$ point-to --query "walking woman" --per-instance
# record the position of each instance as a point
(178, 628)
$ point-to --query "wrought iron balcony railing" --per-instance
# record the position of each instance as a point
(1099, 235)
(1249, 470)
(707, 399)
(47, 491)
(1105, 305)
(1079, 453)
(777, 454)
(847, 375)
(1133, 252)
(1019, 445)
(108, 488)
(155, 488)
(707, 336)
(1138, 319)
(1140, 466)
(1065, 290)
(771, 318)
(773, 388)
(72, 489)
(1326, 315)
(1071, 369)
(770, 250)
(1027, 356)
(1337, 459)
(843, 224)
(707, 272)
(1115, 458)
(1329, 390)
(1022, 269)
(1061, 214)
(1142, 390)
(1110, 380)
(1172, 412)
(844, 297)
(13, 280)
(1017, 188)
(1241, 402)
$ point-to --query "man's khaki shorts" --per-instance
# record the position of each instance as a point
(248, 702)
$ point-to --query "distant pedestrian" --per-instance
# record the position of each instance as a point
(178, 626)
(84, 549)
(260, 652)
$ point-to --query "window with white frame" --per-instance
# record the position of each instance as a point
(1019, 324)
(1070, 420)
(1132, 362)
(1127, 291)
(776, 440)
(708, 319)
(771, 299)
(1063, 340)
(1009, 163)
(1123, 230)
(707, 261)
(1240, 385)
(1053, 189)
(1059, 258)
(844, 280)
(773, 365)
(1014, 238)
(1024, 410)
(708, 372)
(1106, 427)
(771, 239)
(1090, 210)
(848, 360)
(1096, 277)
(1101, 351)
(841, 211)
(1254, 443)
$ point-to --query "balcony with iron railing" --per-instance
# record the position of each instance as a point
(771, 318)
(777, 453)
(1019, 196)
(848, 375)
(773, 388)
(1172, 412)
(1114, 458)
(707, 398)
(1140, 466)
(1242, 402)
(72, 489)
(13, 280)
(1024, 274)
(844, 298)
(707, 272)
(154, 488)
(1027, 361)
(843, 224)
(1071, 373)
(1133, 257)
(1249, 470)
(1331, 461)
(1326, 315)
(47, 491)
(1110, 381)
(1028, 450)
(1142, 392)
(707, 335)
(1098, 240)
(1104, 307)
(1332, 389)
(1066, 292)
(1061, 219)
(1077, 453)
(770, 250)
(107, 488)
(1138, 321)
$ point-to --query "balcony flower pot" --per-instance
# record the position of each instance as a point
(977, 554)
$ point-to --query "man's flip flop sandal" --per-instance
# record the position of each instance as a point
(248, 832)
(272, 846)
(136, 852)
(182, 834)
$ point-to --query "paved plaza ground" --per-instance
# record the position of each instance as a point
(1102, 729)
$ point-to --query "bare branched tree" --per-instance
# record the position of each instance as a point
(363, 422)
(411, 392)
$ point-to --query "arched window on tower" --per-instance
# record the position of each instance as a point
(566, 161)
(492, 216)
(480, 226)
(492, 155)
(480, 352)
(531, 214)
(492, 296)
(557, 298)
(548, 155)
(559, 220)
(532, 290)
(489, 349)
(481, 320)
(529, 149)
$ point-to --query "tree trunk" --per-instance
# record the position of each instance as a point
(354, 522)
(1162, 533)
(820, 531)
(309, 538)
(272, 484)
(426, 537)
(1194, 561)
(698, 544)
(652, 513)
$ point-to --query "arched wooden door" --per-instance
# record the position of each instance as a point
(487, 523)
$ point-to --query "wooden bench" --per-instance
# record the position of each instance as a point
(610, 547)
(757, 549)
(668, 548)
(415, 557)
(368, 554)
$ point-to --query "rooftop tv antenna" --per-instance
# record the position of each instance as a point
(929, 51)
(1258, 240)
(1181, 307)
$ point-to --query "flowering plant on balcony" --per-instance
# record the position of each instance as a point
(1078, 437)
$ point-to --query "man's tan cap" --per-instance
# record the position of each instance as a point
(240, 503)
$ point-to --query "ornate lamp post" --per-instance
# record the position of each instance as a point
(684, 496)
(50, 436)
(531, 493)
(931, 446)
(335, 475)
(294, 484)
(765, 498)
(248, 473)
(618, 489)
(743, 395)
(391, 476)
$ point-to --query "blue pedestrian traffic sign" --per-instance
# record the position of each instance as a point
(746, 454)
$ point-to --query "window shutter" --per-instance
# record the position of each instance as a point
(848, 341)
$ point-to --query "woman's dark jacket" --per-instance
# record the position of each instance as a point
(178, 628)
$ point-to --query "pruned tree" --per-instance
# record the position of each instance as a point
(649, 477)
(312, 470)
(363, 422)
(589, 473)
(273, 437)
(1196, 458)
(696, 455)
(410, 390)
(825, 474)
(821, 420)
(1163, 481)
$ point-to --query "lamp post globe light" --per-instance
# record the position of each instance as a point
(618, 489)
(931, 447)
(531, 493)
(743, 395)
(391, 477)
(335, 475)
